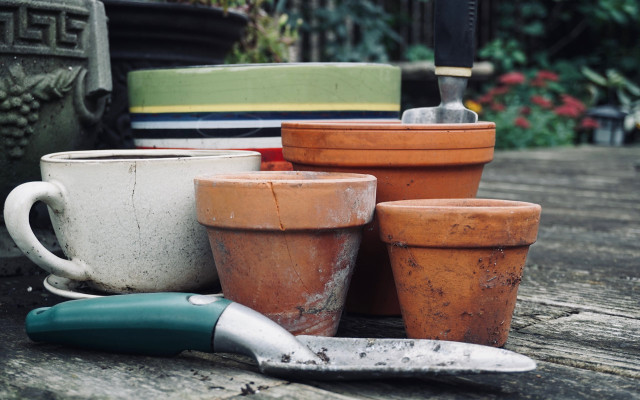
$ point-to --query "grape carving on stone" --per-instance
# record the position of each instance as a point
(21, 98)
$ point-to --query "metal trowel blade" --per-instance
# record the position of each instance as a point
(451, 109)
(353, 358)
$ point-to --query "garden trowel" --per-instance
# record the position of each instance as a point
(168, 323)
(454, 40)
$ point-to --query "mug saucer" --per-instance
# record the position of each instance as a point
(76, 290)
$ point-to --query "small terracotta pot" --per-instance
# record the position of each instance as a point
(410, 161)
(457, 264)
(285, 243)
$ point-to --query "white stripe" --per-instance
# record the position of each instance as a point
(206, 124)
(212, 143)
(252, 123)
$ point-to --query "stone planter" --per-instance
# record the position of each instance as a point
(285, 243)
(410, 162)
(54, 81)
(457, 264)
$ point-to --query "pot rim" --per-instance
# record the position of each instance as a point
(257, 201)
(465, 223)
(143, 155)
(317, 141)
(298, 178)
(213, 68)
(464, 205)
(395, 125)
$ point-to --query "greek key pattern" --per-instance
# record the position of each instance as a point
(47, 29)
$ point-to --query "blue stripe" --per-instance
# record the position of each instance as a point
(262, 115)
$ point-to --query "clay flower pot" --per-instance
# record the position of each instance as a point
(410, 162)
(457, 264)
(285, 243)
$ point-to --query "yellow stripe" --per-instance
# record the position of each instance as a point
(267, 107)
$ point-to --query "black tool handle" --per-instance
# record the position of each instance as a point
(454, 32)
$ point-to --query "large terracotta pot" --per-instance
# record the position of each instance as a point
(457, 264)
(285, 243)
(410, 162)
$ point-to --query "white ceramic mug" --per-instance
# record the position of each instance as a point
(124, 218)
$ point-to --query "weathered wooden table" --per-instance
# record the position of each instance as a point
(578, 310)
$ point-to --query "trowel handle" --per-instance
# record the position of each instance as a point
(454, 36)
(149, 323)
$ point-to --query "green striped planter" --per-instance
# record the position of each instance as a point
(243, 106)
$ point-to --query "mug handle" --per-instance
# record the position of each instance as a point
(16, 218)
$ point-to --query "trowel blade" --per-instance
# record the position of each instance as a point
(439, 115)
(353, 358)
(451, 109)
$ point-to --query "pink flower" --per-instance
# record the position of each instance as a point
(486, 99)
(522, 122)
(544, 75)
(589, 123)
(573, 102)
(525, 110)
(498, 90)
(541, 101)
(538, 83)
(498, 106)
(512, 78)
(567, 110)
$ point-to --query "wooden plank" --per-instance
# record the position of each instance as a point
(584, 340)
(549, 381)
(38, 369)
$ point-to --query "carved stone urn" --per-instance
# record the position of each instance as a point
(55, 78)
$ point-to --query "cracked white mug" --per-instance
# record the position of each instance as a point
(125, 219)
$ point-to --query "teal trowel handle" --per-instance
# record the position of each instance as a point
(150, 323)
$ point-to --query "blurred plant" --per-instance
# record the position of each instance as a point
(268, 36)
(539, 33)
(419, 52)
(225, 4)
(356, 30)
(506, 54)
(616, 87)
(532, 109)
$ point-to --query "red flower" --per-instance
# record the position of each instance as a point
(541, 101)
(589, 123)
(498, 106)
(538, 83)
(498, 90)
(544, 75)
(567, 110)
(522, 122)
(525, 110)
(512, 78)
(486, 99)
(571, 101)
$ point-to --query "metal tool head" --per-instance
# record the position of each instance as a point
(352, 358)
(450, 111)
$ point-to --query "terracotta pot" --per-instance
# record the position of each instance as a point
(457, 264)
(410, 162)
(285, 243)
